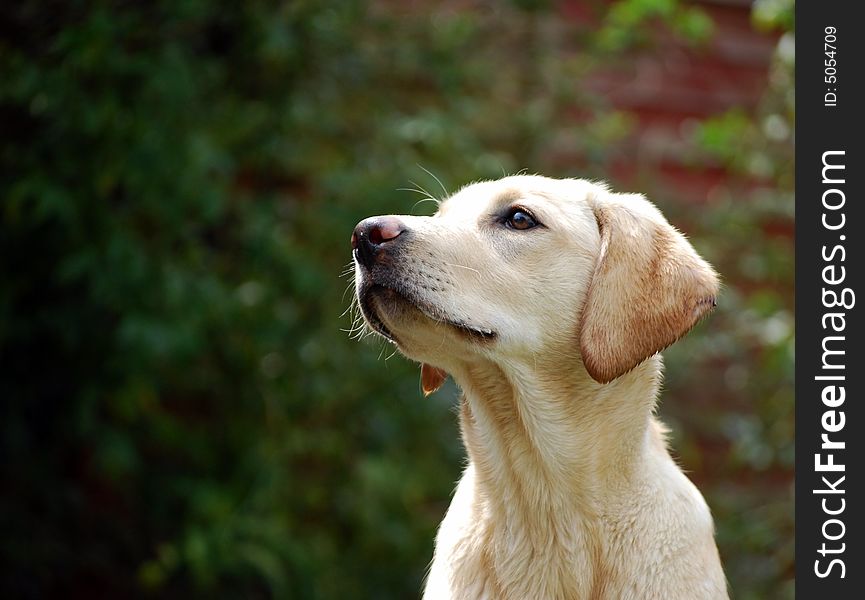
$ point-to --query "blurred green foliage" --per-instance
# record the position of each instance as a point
(183, 413)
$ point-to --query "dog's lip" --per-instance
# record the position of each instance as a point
(376, 322)
(372, 316)
(483, 332)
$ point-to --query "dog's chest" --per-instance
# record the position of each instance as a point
(477, 557)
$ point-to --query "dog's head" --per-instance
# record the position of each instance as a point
(528, 264)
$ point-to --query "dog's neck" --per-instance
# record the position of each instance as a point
(549, 445)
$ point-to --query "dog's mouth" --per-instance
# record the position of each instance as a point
(391, 297)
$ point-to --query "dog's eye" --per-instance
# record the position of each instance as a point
(519, 219)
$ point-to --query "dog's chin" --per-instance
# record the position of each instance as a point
(400, 318)
(383, 307)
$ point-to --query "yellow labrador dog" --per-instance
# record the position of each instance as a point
(547, 301)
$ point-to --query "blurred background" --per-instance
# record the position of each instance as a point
(183, 412)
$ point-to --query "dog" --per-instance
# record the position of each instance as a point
(547, 301)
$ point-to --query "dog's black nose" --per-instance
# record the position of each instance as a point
(373, 234)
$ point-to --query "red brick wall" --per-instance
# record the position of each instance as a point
(670, 84)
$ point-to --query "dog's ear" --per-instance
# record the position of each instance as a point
(648, 289)
(431, 379)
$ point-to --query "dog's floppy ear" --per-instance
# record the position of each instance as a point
(431, 379)
(648, 289)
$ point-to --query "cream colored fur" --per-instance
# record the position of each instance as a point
(552, 333)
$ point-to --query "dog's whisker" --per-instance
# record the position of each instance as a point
(426, 197)
(348, 311)
(422, 200)
(382, 352)
(417, 191)
(431, 174)
(443, 341)
(348, 287)
(423, 190)
(463, 267)
(357, 329)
